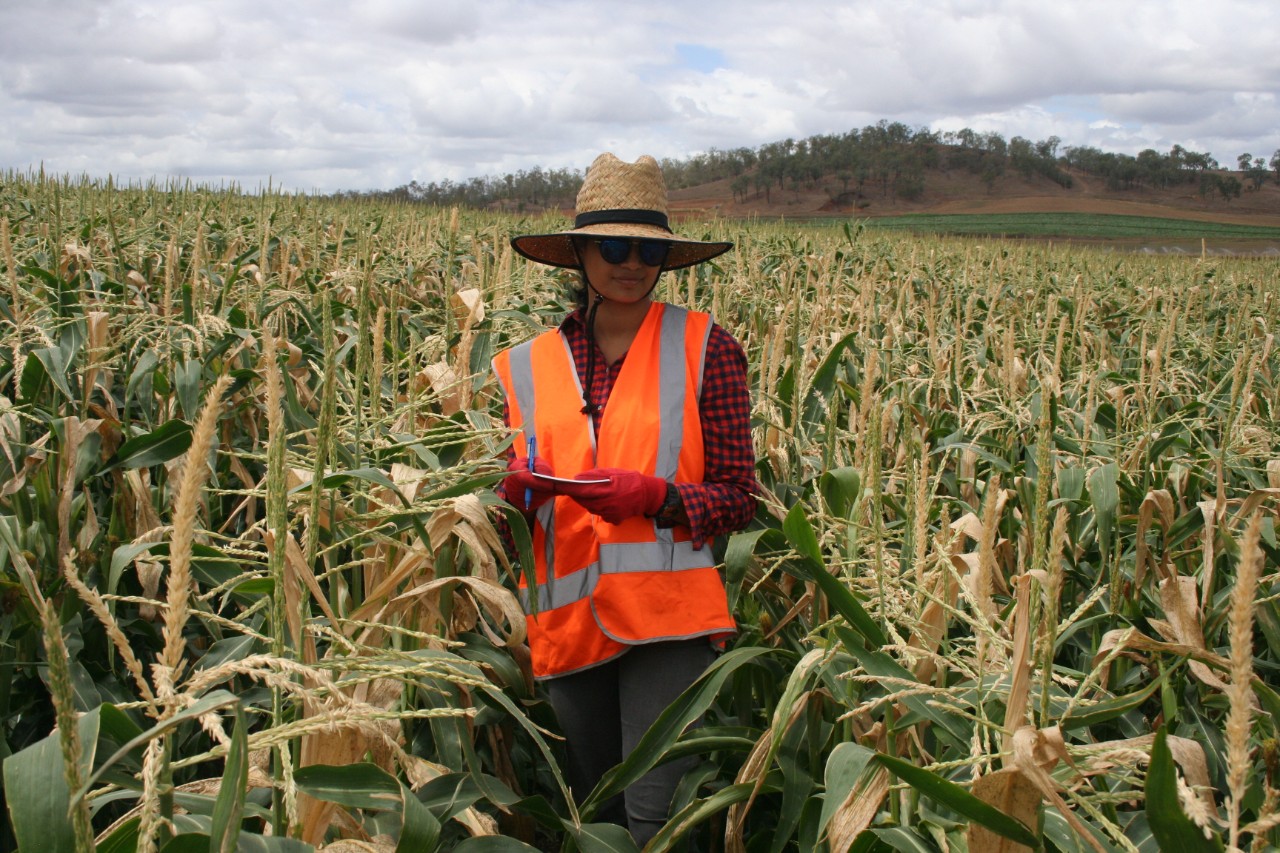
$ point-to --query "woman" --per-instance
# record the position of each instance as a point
(640, 411)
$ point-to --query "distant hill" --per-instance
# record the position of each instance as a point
(963, 192)
(889, 169)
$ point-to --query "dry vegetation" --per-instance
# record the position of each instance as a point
(1012, 581)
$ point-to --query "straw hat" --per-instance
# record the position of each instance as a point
(619, 199)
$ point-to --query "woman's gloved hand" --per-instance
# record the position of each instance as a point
(521, 482)
(626, 493)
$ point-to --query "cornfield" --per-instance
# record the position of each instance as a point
(1012, 583)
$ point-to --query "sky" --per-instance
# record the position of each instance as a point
(323, 96)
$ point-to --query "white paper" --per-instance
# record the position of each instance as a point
(569, 480)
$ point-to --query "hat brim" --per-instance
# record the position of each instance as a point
(557, 249)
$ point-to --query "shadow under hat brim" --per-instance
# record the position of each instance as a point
(557, 249)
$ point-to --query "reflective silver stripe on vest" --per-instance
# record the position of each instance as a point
(559, 592)
(522, 382)
(616, 559)
(671, 362)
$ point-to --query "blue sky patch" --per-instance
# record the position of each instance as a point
(700, 57)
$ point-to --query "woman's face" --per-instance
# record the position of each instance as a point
(628, 281)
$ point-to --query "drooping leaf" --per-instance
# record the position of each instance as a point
(212, 701)
(799, 532)
(955, 797)
(670, 723)
(602, 838)
(167, 441)
(357, 786)
(845, 766)
(1173, 830)
(881, 665)
(841, 488)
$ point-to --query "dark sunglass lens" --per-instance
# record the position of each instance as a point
(654, 252)
(614, 251)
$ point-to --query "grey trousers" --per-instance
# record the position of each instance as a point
(604, 711)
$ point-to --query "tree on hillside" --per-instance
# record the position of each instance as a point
(1255, 170)
(1275, 164)
(1227, 186)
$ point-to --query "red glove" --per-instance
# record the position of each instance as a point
(627, 493)
(521, 482)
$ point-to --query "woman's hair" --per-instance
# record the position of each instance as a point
(581, 292)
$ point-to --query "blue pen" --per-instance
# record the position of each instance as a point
(528, 492)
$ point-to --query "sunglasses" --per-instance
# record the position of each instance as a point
(616, 250)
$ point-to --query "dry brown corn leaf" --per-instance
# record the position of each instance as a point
(1178, 595)
(1032, 748)
(857, 811)
(469, 306)
(1125, 639)
(1011, 792)
(464, 517)
(493, 598)
(1020, 666)
(446, 384)
(1157, 500)
(1187, 753)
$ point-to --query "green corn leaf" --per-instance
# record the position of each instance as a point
(142, 375)
(881, 665)
(960, 800)
(36, 794)
(602, 838)
(845, 766)
(1104, 493)
(368, 475)
(212, 701)
(902, 840)
(492, 844)
(198, 842)
(186, 383)
(228, 809)
(700, 811)
(356, 786)
(167, 441)
(664, 732)
(739, 554)
(1172, 829)
(123, 839)
(53, 360)
(822, 382)
(1109, 709)
(799, 533)
(419, 828)
(840, 488)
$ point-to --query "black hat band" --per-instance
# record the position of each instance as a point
(634, 217)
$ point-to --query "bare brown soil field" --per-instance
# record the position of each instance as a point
(957, 193)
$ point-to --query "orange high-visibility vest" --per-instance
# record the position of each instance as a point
(602, 587)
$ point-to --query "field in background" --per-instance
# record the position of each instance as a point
(1013, 577)
(1069, 225)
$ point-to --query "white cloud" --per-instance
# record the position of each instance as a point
(329, 95)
